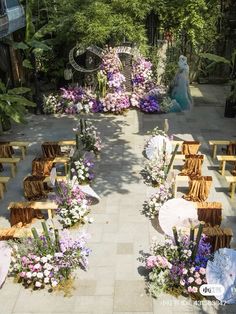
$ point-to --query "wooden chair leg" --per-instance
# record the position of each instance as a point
(214, 150)
(232, 189)
(1, 191)
(223, 168)
(13, 171)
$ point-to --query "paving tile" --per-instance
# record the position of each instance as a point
(134, 299)
(125, 248)
(95, 304)
(85, 287)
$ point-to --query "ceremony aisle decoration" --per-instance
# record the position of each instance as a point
(73, 206)
(89, 136)
(158, 149)
(111, 83)
(49, 260)
(178, 267)
(152, 206)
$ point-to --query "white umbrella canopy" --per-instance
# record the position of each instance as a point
(179, 213)
(222, 271)
(86, 189)
(5, 260)
(157, 145)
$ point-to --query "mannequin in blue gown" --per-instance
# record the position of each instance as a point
(179, 89)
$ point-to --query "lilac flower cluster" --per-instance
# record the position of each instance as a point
(83, 170)
(46, 263)
(73, 207)
(116, 100)
(173, 269)
(72, 100)
(153, 205)
(149, 104)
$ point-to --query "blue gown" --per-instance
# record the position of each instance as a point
(180, 92)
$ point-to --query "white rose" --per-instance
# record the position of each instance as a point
(44, 259)
(39, 275)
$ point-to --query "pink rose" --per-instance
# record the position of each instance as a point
(195, 290)
(198, 281)
(190, 289)
(151, 262)
(190, 279)
(196, 275)
(202, 271)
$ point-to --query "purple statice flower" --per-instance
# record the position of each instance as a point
(149, 104)
(73, 94)
(97, 105)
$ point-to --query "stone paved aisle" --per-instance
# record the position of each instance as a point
(114, 283)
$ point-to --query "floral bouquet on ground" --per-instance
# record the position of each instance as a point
(178, 266)
(89, 136)
(149, 104)
(51, 103)
(117, 102)
(155, 172)
(48, 261)
(75, 100)
(73, 207)
(83, 169)
(153, 205)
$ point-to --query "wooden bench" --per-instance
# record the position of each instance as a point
(214, 145)
(22, 145)
(58, 178)
(47, 205)
(223, 159)
(232, 183)
(177, 180)
(63, 160)
(3, 185)
(67, 143)
(12, 162)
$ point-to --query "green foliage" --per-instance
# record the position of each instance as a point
(63, 23)
(13, 104)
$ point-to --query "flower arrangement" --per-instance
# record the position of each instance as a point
(149, 104)
(155, 171)
(76, 100)
(153, 205)
(116, 100)
(83, 169)
(72, 100)
(142, 75)
(48, 261)
(50, 103)
(89, 136)
(178, 266)
(73, 207)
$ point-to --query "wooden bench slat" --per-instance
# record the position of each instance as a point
(4, 179)
(49, 206)
(67, 143)
(10, 160)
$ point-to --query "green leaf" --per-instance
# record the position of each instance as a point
(20, 100)
(2, 87)
(20, 45)
(38, 44)
(18, 91)
(214, 58)
(27, 64)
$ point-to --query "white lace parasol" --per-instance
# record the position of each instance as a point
(157, 146)
(222, 270)
(5, 260)
(178, 213)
